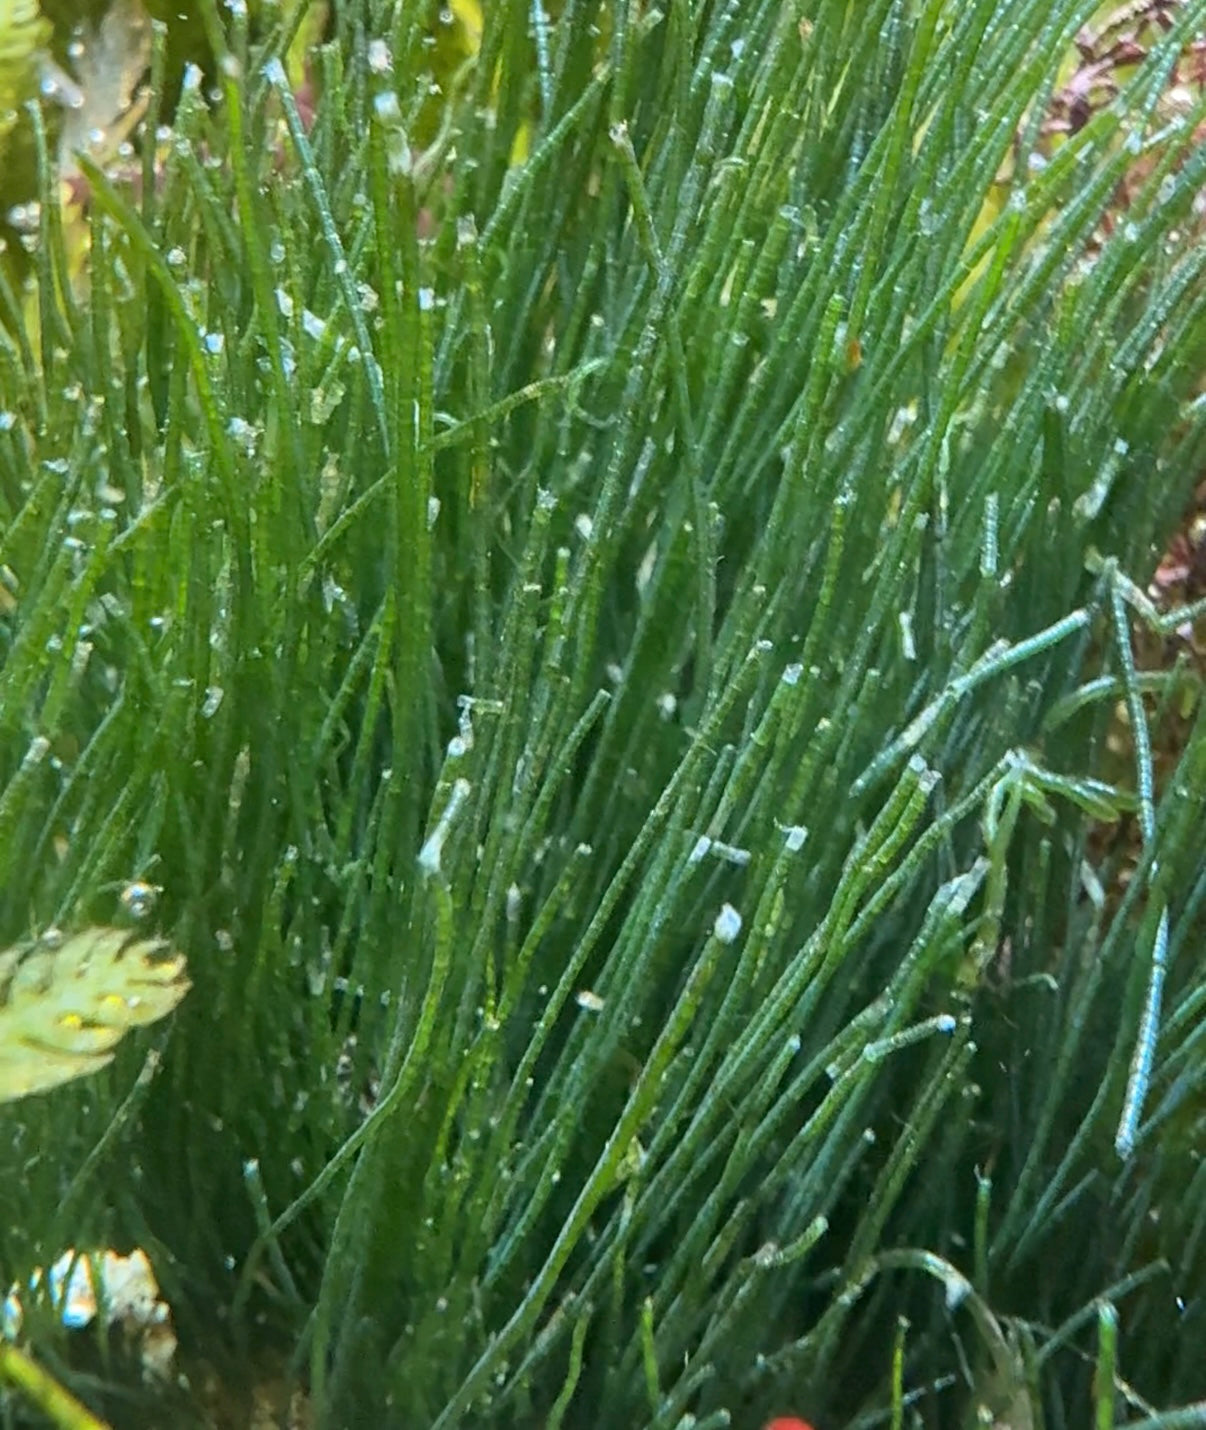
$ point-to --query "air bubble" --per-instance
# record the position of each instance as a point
(389, 111)
(138, 898)
(727, 925)
(25, 218)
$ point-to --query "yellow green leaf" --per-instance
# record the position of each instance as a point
(22, 33)
(66, 1002)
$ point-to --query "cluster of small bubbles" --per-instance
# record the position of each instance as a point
(79, 663)
(26, 218)
(324, 401)
(667, 705)
(244, 434)
(379, 58)
(928, 220)
(176, 257)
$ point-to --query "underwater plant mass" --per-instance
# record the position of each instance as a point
(613, 592)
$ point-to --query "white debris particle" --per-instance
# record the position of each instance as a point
(908, 647)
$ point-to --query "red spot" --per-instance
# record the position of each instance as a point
(787, 1422)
